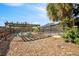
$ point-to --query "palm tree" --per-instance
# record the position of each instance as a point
(52, 11)
(60, 11)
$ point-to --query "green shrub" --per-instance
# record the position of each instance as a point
(71, 34)
(36, 29)
(76, 40)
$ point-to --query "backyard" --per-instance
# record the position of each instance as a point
(50, 46)
(43, 47)
(50, 29)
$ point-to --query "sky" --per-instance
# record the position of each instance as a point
(34, 13)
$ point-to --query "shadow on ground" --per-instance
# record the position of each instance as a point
(4, 45)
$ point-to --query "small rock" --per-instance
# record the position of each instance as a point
(15, 48)
(69, 53)
(62, 47)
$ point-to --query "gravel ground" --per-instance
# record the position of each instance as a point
(43, 47)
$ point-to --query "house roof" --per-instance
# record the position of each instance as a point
(49, 24)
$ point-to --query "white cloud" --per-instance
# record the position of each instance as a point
(41, 8)
(14, 4)
(42, 11)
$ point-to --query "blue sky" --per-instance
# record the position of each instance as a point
(30, 12)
